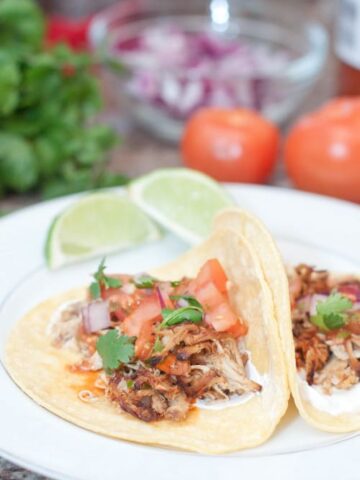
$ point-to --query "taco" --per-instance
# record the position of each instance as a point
(319, 329)
(186, 356)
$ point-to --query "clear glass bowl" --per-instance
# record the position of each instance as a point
(270, 58)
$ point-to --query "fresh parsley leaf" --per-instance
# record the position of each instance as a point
(158, 345)
(102, 280)
(144, 281)
(184, 314)
(189, 299)
(175, 283)
(331, 314)
(115, 349)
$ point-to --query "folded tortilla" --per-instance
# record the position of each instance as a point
(41, 369)
(274, 272)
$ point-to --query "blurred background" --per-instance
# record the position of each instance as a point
(113, 102)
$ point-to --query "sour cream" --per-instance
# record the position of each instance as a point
(338, 402)
(253, 374)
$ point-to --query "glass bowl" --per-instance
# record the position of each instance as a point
(165, 60)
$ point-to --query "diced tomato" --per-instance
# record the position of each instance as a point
(172, 366)
(145, 340)
(239, 329)
(221, 318)
(209, 296)
(212, 271)
(148, 310)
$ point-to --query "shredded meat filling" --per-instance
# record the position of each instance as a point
(216, 370)
(328, 359)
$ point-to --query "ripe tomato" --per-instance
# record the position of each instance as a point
(212, 271)
(236, 145)
(147, 311)
(145, 340)
(322, 151)
(209, 288)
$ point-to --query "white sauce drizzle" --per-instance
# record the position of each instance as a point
(340, 401)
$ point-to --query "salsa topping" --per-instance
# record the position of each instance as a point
(326, 328)
(160, 346)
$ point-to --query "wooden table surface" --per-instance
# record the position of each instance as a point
(141, 153)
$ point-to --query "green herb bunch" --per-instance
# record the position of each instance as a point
(47, 99)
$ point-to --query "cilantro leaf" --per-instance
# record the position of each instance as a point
(189, 299)
(335, 303)
(144, 281)
(115, 349)
(102, 280)
(331, 314)
(95, 291)
(175, 283)
(184, 314)
(111, 282)
(334, 321)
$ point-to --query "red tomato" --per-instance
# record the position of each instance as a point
(209, 296)
(221, 318)
(148, 310)
(212, 271)
(322, 151)
(145, 340)
(231, 145)
(239, 329)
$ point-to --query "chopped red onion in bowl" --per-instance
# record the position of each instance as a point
(179, 71)
(96, 316)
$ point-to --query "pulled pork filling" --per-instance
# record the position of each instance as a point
(169, 349)
(326, 328)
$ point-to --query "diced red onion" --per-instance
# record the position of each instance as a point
(160, 297)
(180, 71)
(96, 316)
(351, 289)
(182, 302)
(355, 307)
(315, 299)
(304, 303)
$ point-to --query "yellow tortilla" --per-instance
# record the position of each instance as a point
(272, 265)
(41, 369)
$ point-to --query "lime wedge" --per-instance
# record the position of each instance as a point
(182, 200)
(95, 225)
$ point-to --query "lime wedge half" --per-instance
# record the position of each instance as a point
(182, 200)
(95, 225)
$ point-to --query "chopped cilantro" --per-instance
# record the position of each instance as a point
(184, 314)
(331, 314)
(175, 283)
(115, 349)
(102, 280)
(144, 281)
(189, 299)
(130, 383)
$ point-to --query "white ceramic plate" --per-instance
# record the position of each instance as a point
(307, 227)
